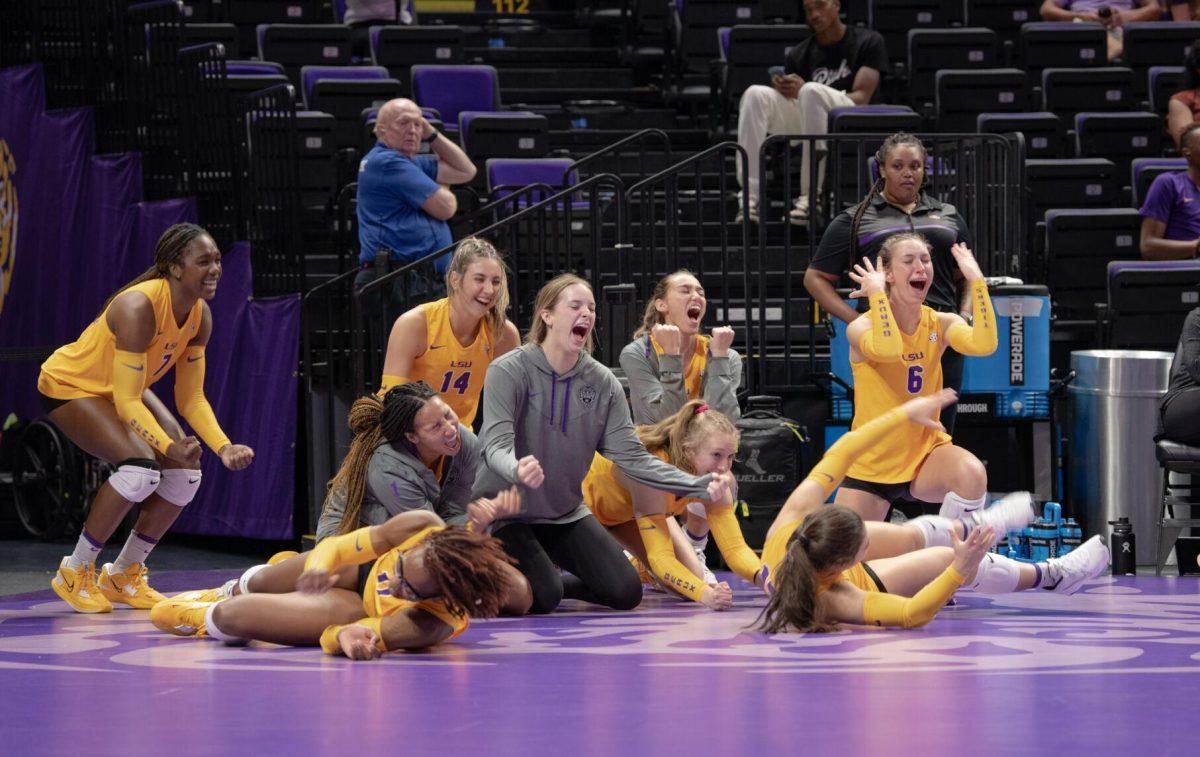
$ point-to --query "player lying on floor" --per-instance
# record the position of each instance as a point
(407, 584)
(700, 440)
(821, 563)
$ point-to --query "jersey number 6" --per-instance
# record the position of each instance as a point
(915, 379)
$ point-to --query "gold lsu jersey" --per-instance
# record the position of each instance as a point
(84, 367)
(880, 387)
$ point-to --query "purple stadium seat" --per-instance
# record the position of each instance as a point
(252, 68)
(507, 175)
(400, 47)
(1062, 43)
(296, 45)
(310, 75)
(1080, 243)
(1045, 135)
(1162, 82)
(1146, 170)
(503, 134)
(453, 89)
(1120, 137)
(344, 91)
(1148, 302)
(962, 94)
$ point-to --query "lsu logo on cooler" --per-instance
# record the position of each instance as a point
(8, 219)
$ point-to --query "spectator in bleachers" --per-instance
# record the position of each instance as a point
(1181, 10)
(897, 203)
(361, 15)
(1183, 109)
(1171, 212)
(1180, 408)
(837, 67)
(1113, 14)
(378, 12)
(404, 201)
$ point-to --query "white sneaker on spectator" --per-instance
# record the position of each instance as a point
(798, 215)
(753, 211)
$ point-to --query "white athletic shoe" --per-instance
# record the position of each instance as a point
(708, 576)
(1009, 513)
(1067, 573)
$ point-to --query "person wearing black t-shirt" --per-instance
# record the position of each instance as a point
(894, 204)
(1179, 412)
(837, 67)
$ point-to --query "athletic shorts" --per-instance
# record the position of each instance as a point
(892, 493)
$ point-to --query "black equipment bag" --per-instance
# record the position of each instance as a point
(769, 465)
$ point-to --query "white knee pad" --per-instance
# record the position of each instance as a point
(997, 575)
(179, 485)
(938, 531)
(244, 580)
(697, 508)
(135, 479)
(956, 506)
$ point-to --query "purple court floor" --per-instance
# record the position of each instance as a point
(1114, 669)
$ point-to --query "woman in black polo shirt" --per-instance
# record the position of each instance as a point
(894, 204)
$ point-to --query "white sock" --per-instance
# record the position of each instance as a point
(137, 548)
(210, 627)
(86, 550)
(244, 581)
(997, 574)
(938, 531)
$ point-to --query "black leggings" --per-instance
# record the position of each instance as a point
(600, 572)
(952, 378)
(1181, 417)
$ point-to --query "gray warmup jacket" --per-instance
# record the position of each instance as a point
(563, 420)
(656, 388)
(397, 481)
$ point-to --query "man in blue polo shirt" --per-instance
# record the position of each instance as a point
(1171, 212)
(403, 200)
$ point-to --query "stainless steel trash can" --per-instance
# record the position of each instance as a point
(1114, 415)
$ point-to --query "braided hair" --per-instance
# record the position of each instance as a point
(892, 142)
(372, 421)
(470, 570)
(827, 538)
(168, 251)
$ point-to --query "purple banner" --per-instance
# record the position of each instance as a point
(252, 357)
(74, 228)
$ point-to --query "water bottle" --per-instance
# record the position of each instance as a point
(1016, 547)
(1052, 511)
(1039, 541)
(1070, 536)
(1124, 548)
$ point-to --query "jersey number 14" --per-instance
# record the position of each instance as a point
(461, 383)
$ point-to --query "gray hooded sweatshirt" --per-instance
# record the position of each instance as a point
(397, 481)
(656, 388)
(563, 420)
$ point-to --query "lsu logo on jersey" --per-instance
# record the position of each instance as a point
(8, 219)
